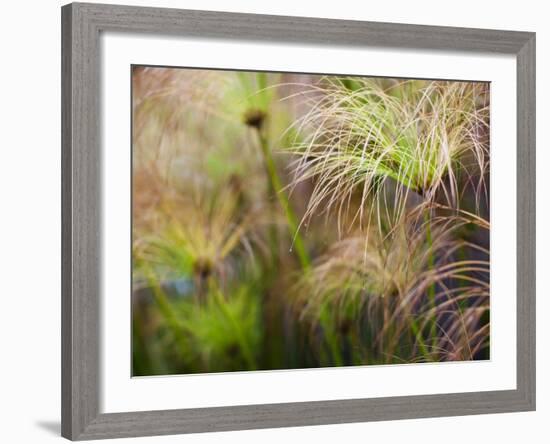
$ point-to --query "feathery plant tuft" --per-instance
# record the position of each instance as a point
(202, 237)
(362, 133)
(387, 275)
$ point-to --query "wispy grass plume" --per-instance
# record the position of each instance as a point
(419, 136)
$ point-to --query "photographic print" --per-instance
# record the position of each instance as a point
(290, 221)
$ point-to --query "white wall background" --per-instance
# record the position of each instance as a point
(30, 221)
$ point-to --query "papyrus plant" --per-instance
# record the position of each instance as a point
(378, 282)
(417, 136)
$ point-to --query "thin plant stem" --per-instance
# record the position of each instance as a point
(273, 231)
(418, 335)
(292, 221)
(276, 186)
(331, 339)
(431, 265)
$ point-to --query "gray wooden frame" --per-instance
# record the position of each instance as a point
(81, 171)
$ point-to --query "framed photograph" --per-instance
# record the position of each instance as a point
(278, 221)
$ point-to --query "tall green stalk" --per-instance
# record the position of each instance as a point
(276, 187)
